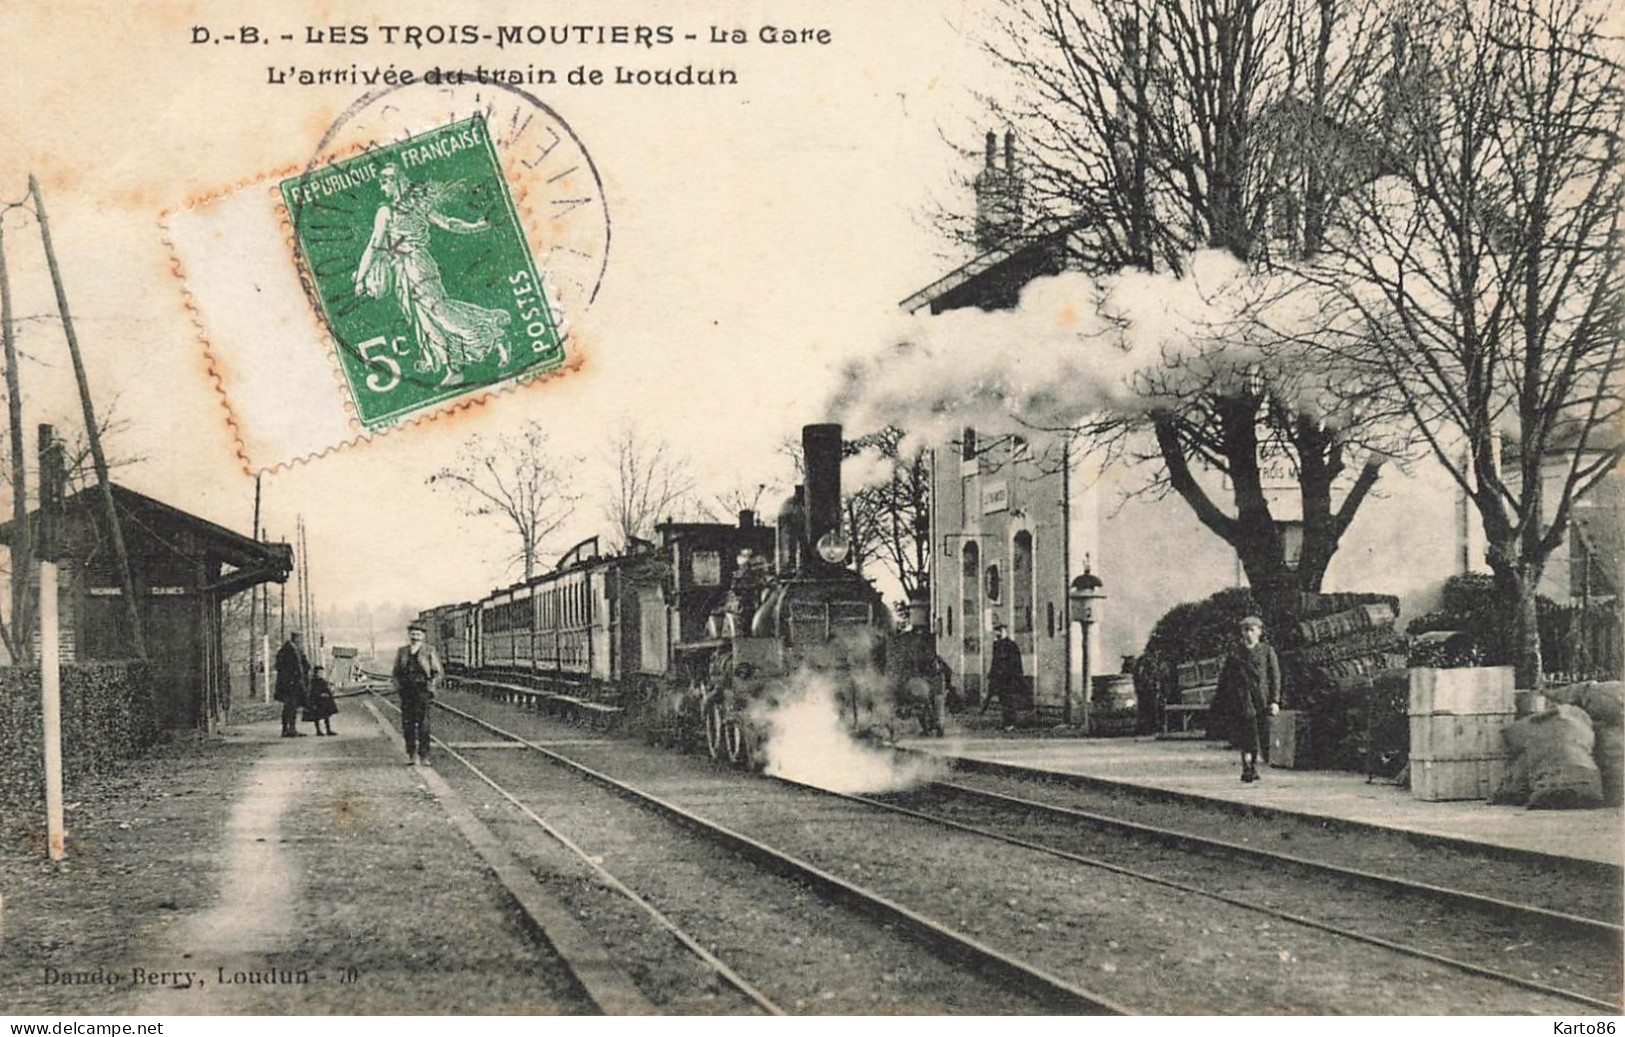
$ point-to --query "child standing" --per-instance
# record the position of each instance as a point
(321, 705)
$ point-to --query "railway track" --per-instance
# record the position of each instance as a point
(1605, 936)
(923, 928)
(1045, 991)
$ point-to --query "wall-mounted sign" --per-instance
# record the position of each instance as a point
(995, 497)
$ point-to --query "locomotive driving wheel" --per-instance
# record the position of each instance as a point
(716, 731)
(734, 737)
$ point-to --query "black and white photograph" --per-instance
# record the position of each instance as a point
(741, 508)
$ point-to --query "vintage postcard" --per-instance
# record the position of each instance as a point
(1012, 507)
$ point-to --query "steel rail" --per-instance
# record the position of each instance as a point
(950, 943)
(717, 965)
(1287, 916)
(1572, 924)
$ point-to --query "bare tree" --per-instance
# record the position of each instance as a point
(517, 479)
(1153, 128)
(651, 482)
(1487, 271)
(895, 513)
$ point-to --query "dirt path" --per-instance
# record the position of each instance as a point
(252, 917)
(252, 874)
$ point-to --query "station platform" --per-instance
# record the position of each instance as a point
(1209, 770)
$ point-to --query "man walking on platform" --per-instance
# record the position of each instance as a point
(292, 682)
(1005, 679)
(417, 674)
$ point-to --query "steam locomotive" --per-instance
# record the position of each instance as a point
(696, 638)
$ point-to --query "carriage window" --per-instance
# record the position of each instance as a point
(707, 569)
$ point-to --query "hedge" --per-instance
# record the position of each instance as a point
(108, 715)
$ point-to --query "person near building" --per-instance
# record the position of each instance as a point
(292, 681)
(919, 677)
(320, 705)
(1006, 681)
(1250, 688)
(417, 674)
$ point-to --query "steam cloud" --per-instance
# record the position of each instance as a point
(1078, 346)
(808, 742)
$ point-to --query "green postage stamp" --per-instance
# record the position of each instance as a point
(416, 259)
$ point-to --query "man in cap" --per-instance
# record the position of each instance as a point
(292, 681)
(417, 674)
(1006, 680)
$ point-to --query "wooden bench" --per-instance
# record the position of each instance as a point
(1198, 682)
(1185, 711)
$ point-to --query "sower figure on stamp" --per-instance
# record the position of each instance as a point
(1250, 686)
(292, 682)
(1006, 681)
(451, 333)
(417, 673)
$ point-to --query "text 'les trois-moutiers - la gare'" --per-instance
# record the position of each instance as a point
(466, 35)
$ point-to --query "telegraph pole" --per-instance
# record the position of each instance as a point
(22, 548)
(91, 432)
(253, 604)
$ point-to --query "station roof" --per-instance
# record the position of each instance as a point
(252, 560)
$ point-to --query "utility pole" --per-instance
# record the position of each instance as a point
(22, 548)
(253, 603)
(91, 432)
(265, 632)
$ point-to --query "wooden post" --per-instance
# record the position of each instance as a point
(265, 632)
(22, 547)
(91, 432)
(51, 703)
(253, 606)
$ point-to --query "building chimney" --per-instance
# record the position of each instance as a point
(821, 447)
(998, 195)
(747, 518)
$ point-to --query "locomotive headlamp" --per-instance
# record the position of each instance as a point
(833, 548)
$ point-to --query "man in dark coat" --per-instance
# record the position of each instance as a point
(1250, 686)
(292, 682)
(417, 674)
(1005, 679)
(919, 678)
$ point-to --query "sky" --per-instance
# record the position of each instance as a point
(763, 235)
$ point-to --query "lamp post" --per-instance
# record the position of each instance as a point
(1084, 596)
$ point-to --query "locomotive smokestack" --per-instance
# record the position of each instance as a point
(821, 447)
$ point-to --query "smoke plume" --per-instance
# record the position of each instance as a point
(809, 741)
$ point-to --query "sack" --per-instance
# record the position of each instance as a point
(1603, 701)
(1552, 764)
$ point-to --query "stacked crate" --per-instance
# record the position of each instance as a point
(1456, 719)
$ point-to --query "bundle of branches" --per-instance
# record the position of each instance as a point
(1469, 607)
(1359, 722)
(1341, 649)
